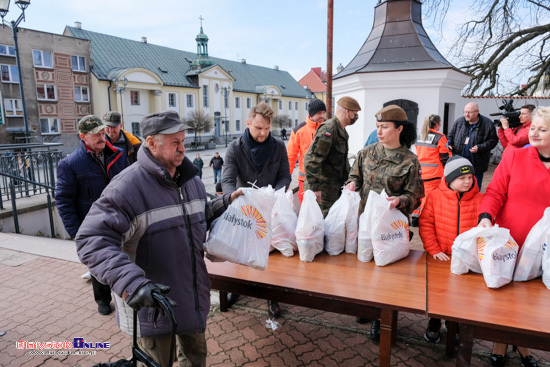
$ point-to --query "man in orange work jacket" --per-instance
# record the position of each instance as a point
(301, 137)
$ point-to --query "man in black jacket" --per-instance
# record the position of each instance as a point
(217, 163)
(473, 137)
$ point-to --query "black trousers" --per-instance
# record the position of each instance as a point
(102, 292)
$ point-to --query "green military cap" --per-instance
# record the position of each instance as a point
(90, 124)
(391, 113)
(349, 103)
(112, 118)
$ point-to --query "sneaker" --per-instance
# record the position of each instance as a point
(104, 309)
(87, 276)
(432, 336)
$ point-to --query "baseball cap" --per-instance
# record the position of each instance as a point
(112, 118)
(168, 122)
(90, 124)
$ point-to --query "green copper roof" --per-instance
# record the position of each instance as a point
(112, 55)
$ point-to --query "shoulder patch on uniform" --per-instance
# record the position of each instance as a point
(328, 134)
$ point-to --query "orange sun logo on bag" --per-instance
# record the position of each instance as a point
(481, 242)
(400, 224)
(253, 213)
(511, 245)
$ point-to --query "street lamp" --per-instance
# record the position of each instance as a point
(4, 8)
(120, 90)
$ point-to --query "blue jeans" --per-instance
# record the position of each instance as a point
(479, 178)
(217, 175)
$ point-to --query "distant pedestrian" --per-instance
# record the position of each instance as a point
(217, 163)
(199, 163)
(283, 133)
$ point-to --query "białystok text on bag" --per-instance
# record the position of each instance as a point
(487, 250)
(310, 229)
(390, 232)
(283, 225)
(242, 234)
(529, 263)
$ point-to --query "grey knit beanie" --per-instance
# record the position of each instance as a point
(457, 166)
(316, 105)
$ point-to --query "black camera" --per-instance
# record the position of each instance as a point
(508, 112)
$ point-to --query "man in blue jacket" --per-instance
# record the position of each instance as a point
(145, 235)
(81, 177)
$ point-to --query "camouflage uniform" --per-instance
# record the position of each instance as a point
(399, 175)
(326, 163)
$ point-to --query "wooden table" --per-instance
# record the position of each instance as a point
(340, 284)
(516, 313)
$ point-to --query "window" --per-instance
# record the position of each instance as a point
(289, 106)
(49, 125)
(280, 104)
(78, 63)
(205, 95)
(81, 94)
(189, 98)
(296, 122)
(136, 129)
(42, 59)
(296, 106)
(7, 50)
(172, 100)
(237, 102)
(13, 107)
(307, 106)
(238, 125)
(46, 92)
(10, 74)
(134, 98)
(248, 103)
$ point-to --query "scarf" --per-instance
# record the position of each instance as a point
(259, 152)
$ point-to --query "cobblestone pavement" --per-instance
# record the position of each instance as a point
(43, 299)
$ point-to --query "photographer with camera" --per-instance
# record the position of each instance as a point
(473, 137)
(513, 136)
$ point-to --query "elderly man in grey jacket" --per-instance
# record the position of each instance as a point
(145, 235)
(256, 158)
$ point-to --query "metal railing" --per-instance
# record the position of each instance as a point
(25, 173)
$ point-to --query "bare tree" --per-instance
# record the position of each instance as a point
(502, 33)
(281, 121)
(199, 121)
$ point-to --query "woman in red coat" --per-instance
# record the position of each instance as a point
(517, 196)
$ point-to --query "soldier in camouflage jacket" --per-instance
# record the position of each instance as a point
(326, 161)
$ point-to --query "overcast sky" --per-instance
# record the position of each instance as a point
(287, 33)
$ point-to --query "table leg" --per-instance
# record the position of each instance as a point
(388, 330)
(465, 345)
(452, 328)
(223, 301)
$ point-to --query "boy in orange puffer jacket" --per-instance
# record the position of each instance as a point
(451, 208)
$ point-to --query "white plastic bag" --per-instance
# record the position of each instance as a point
(546, 262)
(529, 263)
(352, 220)
(390, 232)
(310, 229)
(335, 226)
(294, 201)
(497, 252)
(283, 225)
(242, 234)
(364, 240)
(464, 250)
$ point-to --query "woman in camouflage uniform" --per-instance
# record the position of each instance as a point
(389, 165)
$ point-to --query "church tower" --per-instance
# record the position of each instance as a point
(202, 59)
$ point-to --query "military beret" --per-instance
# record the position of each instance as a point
(349, 104)
(90, 124)
(391, 113)
(112, 118)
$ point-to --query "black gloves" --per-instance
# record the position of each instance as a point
(143, 296)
